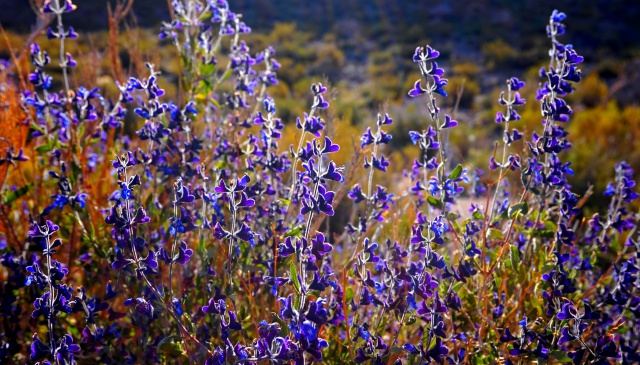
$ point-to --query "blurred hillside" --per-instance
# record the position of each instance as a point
(600, 27)
(363, 48)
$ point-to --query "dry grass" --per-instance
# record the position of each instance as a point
(12, 118)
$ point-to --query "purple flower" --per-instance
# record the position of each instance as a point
(286, 248)
(356, 194)
(423, 54)
(448, 122)
(44, 230)
(515, 84)
(380, 164)
(319, 247)
(65, 352)
(384, 120)
(38, 349)
(438, 85)
(238, 185)
(313, 125)
(320, 103)
(318, 89)
(367, 138)
(417, 90)
(245, 234)
(333, 173)
(184, 254)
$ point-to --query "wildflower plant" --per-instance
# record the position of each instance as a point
(200, 239)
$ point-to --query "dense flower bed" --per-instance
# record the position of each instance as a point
(204, 241)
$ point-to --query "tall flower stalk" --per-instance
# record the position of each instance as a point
(414, 278)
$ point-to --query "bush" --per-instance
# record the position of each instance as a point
(199, 239)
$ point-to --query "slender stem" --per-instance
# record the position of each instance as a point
(307, 229)
(203, 213)
(183, 330)
(504, 153)
(434, 113)
(63, 61)
(587, 347)
(52, 300)
(6, 174)
(263, 88)
(294, 166)
(232, 239)
(371, 168)
(175, 242)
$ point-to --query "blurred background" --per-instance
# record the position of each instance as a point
(363, 50)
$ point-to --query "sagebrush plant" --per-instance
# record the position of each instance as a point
(201, 240)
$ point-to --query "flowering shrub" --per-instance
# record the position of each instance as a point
(202, 240)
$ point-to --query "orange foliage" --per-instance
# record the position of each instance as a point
(13, 131)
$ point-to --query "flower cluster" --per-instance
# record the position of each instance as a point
(205, 241)
(58, 297)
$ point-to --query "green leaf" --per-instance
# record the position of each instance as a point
(515, 253)
(38, 128)
(412, 320)
(205, 86)
(170, 349)
(495, 233)
(350, 294)
(214, 102)
(12, 196)
(76, 171)
(208, 69)
(560, 356)
(80, 134)
(545, 233)
(293, 273)
(456, 226)
(242, 313)
(226, 75)
(550, 226)
(284, 327)
(91, 241)
(294, 232)
(45, 148)
(434, 202)
(508, 264)
(518, 209)
(498, 279)
(296, 301)
(455, 173)
(457, 287)
(201, 249)
(477, 215)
